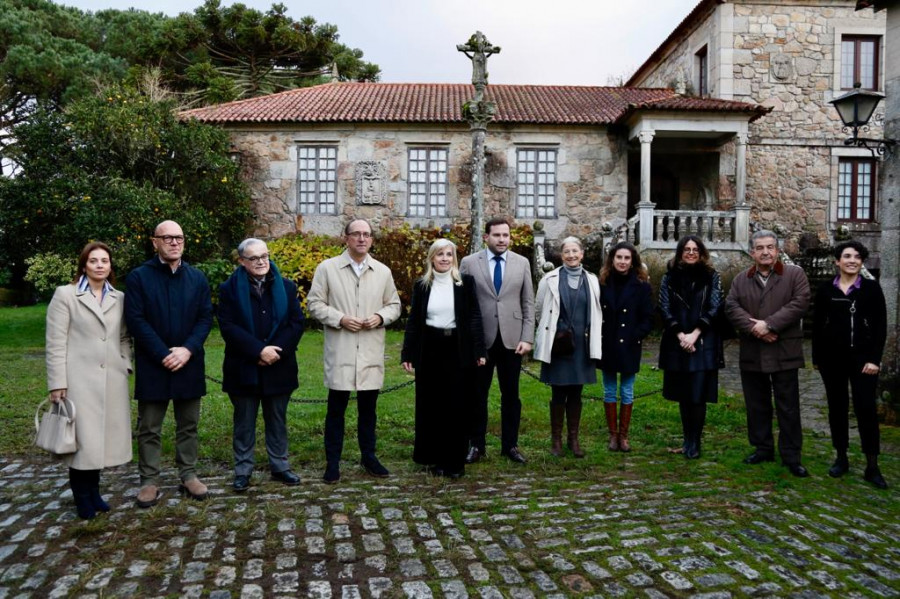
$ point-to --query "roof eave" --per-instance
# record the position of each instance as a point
(682, 29)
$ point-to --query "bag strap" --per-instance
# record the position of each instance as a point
(65, 408)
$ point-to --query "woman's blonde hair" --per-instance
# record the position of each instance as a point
(437, 246)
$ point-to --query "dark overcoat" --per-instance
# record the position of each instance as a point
(689, 298)
(849, 327)
(242, 375)
(467, 312)
(781, 302)
(165, 309)
(627, 320)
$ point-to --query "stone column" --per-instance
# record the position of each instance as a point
(645, 206)
(740, 141)
(889, 209)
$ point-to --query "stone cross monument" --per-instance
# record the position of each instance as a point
(478, 113)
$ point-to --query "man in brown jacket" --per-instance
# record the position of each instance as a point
(766, 305)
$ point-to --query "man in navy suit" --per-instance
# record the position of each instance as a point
(505, 294)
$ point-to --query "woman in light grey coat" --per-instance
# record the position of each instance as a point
(88, 362)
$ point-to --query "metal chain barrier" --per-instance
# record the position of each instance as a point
(352, 397)
(590, 397)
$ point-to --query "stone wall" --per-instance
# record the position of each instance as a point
(785, 55)
(591, 174)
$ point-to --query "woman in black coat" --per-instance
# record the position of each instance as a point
(444, 343)
(625, 299)
(690, 352)
(849, 332)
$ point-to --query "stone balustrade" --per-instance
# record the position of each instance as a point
(651, 228)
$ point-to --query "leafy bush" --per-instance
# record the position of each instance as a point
(48, 271)
(110, 168)
(297, 257)
(217, 271)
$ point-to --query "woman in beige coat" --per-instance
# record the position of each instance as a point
(88, 362)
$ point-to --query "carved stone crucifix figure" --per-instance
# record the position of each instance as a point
(478, 49)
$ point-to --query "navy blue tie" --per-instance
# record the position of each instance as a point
(498, 273)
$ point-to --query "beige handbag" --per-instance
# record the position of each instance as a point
(56, 428)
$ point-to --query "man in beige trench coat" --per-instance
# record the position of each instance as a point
(354, 297)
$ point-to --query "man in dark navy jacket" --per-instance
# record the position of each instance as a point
(169, 314)
(261, 323)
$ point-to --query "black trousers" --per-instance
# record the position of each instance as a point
(508, 364)
(836, 378)
(442, 386)
(759, 387)
(365, 424)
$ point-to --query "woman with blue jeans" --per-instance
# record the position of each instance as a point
(625, 299)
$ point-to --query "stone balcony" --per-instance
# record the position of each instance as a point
(721, 230)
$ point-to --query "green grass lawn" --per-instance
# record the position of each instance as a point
(655, 426)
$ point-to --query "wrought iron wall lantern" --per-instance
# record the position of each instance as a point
(855, 109)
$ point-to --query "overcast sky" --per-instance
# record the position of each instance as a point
(550, 42)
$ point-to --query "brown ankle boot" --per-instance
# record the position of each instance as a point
(610, 408)
(624, 423)
(573, 422)
(557, 415)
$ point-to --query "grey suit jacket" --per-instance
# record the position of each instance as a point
(512, 312)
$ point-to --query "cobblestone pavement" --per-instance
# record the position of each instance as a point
(518, 534)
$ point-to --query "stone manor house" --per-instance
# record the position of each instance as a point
(726, 126)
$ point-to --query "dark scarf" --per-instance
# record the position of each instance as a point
(239, 281)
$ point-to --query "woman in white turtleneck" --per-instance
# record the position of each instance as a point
(568, 340)
(444, 343)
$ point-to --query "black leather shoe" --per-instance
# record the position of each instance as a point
(798, 470)
(332, 474)
(839, 468)
(515, 455)
(241, 483)
(474, 455)
(758, 457)
(374, 467)
(286, 477)
(873, 475)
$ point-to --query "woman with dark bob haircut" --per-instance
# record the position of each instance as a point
(849, 332)
(625, 300)
(690, 353)
(88, 363)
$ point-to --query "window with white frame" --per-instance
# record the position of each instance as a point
(428, 182)
(317, 179)
(536, 183)
(856, 188)
(859, 61)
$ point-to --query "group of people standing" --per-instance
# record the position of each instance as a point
(467, 319)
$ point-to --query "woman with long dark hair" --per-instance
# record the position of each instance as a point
(690, 352)
(625, 298)
(849, 333)
(444, 343)
(88, 363)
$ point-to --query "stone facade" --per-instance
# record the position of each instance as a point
(592, 180)
(785, 55)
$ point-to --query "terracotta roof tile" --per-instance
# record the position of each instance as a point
(442, 103)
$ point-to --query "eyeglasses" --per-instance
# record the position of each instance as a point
(257, 259)
(691, 250)
(360, 235)
(176, 239)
